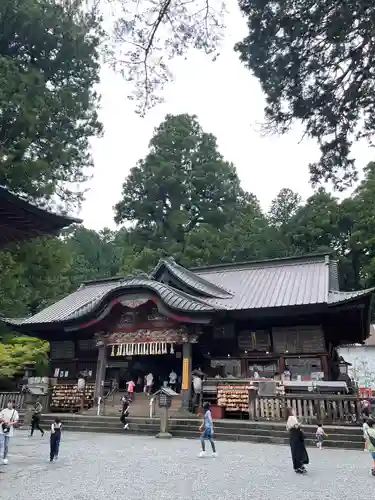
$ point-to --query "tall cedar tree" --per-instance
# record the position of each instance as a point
(315, 62)
(49, 64)
(183, 182)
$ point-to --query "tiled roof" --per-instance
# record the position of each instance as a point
(295, 281)
(336, 297)
(91, 295)
(273, 283)
(190, 279)
(20, 220)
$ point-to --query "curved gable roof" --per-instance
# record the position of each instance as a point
(91, 296)
(191, 280)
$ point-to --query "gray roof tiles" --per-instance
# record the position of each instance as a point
(191, 279)
(258, 285)
(336, 297)
(272, 284)
(91, 295)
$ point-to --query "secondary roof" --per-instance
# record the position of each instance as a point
(20, 220)
(279, 283)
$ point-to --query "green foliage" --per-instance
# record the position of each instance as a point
(182, 183)
(314, 227)
(16, 352)
(315, 62)
(283, 207)
(49, 65)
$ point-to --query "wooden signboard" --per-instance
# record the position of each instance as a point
(298, 339)
(62, 350)
(258, 340)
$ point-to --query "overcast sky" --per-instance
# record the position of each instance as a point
(228, 102)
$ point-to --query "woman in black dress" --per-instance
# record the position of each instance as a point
(297, 443)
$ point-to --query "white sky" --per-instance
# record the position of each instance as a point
(228, 102)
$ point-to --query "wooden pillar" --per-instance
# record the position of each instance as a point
(325, 366)
(281, 365)
(101, 369)
(186, 376)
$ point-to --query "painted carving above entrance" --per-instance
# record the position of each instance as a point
(133, 303)
(171, 335)
(142, 318)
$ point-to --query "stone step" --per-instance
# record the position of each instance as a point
(224, 430)
(194, 423)
(152, 430)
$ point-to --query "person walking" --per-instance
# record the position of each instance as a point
(8, 419)
(172, 380)
(130, 389)
(55, 439)
(35, 419)
(197, 386)
(300, 457)
(320, 435)
(369, 433)
(125, 412)
(149, 383)
(207, 431)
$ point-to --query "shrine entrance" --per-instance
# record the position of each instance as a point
(142, 341)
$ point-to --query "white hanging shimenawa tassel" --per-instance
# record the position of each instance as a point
(164, 348)
(141, 349)
(152, 348)
(158, 347)
(126, 346)
(145, 349)
(113, 350)
(136, 347)
(172, 348)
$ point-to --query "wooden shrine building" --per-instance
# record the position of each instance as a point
(20, 220)
(229, 319)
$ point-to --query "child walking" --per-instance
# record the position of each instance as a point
(370, 439)
(207, 430)
(125, 412)
(320, 435)
(55, 439)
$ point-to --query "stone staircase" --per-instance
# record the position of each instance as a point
(228, 430)
(140, 407)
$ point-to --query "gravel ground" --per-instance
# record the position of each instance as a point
(98, 467)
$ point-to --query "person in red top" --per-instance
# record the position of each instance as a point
(130, 389)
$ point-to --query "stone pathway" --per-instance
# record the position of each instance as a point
(113, 467)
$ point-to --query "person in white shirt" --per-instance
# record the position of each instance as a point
(320, 435)
(149, 383)
(8, 418)
(197, 386)
(172, 380)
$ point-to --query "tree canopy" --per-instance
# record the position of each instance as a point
(315, 64)
(49, 65)
(182, 183)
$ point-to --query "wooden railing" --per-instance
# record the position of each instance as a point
(310, 409)
(18, 397)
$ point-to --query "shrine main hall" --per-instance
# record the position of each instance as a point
(228, 320)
